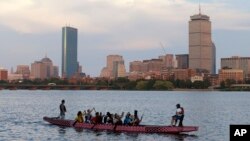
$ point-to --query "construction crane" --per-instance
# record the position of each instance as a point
(163, 48)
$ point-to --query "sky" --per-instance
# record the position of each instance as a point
(135, 29)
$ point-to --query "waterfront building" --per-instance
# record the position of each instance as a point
(49, 67)
(196, 78)
(115, 67)
(201, 48)
(55, 71)
(168, 61)
(119, 69)
(213, 79)
(43, 69)
(15, 76)
(3, 74)
(135, 75)
(183, 74)
(69, 52)
(136, 66)
(24, 70)
(182, 61)
(105, 73)
(154, 65)
(38, 70)
(111, 59)
(147, 69)
(231, 74)
(236, 62)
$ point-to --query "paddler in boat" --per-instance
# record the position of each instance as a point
(108, 118)
(128, 119)
(97, 119)
(79, 118)
(179, 115)
(62, 109)
(118, 119)
(136, 121)
(88, 115)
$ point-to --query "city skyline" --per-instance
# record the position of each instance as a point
(134, 31)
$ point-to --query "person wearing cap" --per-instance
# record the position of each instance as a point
(62, 109)
(179, 115)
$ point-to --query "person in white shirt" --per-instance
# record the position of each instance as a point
(179, 115)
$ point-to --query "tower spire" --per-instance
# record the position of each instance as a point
(199, 7)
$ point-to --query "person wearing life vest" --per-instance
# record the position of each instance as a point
(178, 116)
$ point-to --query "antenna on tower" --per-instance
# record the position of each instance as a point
(199, 7)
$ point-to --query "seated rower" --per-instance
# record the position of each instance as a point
(88, 115)
(79, 118)
(128, 119)
(117, 120)
(97, 119)
(108, 118)
(178, 116)
(136, 121)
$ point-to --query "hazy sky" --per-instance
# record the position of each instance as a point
(29, 29)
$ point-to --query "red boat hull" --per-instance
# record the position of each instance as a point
(123, 128)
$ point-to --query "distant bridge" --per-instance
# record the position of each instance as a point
(52, 87)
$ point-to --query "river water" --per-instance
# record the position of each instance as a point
(21, 113)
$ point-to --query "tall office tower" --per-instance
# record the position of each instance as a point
(201, 48)
(69, 52)
(182, 61)
(237, 62)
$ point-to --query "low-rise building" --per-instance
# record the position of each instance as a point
(231, 74)
(196, 78)
(3, 74)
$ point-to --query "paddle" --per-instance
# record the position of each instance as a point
(142, 116)
(74, 123)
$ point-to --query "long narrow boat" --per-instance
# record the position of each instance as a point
(123, 128)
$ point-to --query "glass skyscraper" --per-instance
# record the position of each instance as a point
(69, 52)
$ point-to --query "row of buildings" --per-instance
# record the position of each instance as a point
(42, 69)
(169, 67)
(198, 64)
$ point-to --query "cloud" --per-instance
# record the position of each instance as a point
(100, 16)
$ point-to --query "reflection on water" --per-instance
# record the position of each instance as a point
(61, 130)
(21, 113)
